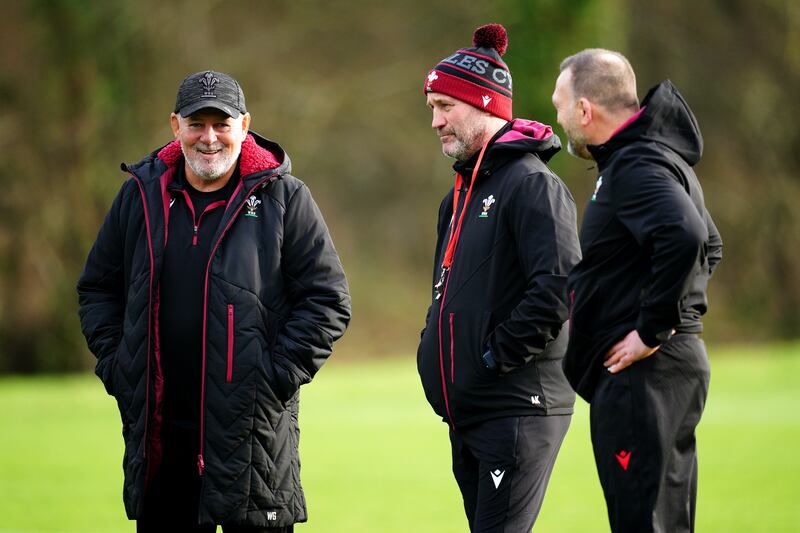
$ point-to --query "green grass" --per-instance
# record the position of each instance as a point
(375, 458)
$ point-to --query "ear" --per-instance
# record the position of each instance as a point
(245, 124)
(585, 109)
(174, 121)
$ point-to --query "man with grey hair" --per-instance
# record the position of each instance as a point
(649, 247)
(212, 293)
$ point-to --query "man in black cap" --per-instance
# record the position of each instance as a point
(212, 293)
(649, 248)
(490, 354)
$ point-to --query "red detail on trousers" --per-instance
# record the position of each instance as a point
(623, 457)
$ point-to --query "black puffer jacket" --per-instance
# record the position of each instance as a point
(277, 269)
(506, 289)
(649, 245)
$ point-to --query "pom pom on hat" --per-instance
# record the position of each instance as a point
(491, 36)
(477, 76)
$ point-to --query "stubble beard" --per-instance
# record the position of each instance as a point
(576, 143)
(466, 142)
(211, 171)
(578, 149)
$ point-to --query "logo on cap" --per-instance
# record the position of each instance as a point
(431, 78)
(209, 83)
(486, 100)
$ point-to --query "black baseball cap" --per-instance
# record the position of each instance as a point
(210, 88)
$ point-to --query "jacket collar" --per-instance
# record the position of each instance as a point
(664, 118)
(253, 159)
(512, 141)
(258, 156)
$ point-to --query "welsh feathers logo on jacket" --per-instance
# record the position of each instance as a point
(597, 188)
(251, 205)
(487, 204)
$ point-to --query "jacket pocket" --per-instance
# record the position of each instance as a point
(428, 364)
(452, 351)
(468, 335)
(229, 373)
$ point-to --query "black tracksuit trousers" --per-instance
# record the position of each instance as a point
(643, 422)
(502, 467)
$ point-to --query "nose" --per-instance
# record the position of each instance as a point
(438, 121)
(208, 135)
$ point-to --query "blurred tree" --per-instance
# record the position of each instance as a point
(70, 68)
(737, 62)
(86, 85)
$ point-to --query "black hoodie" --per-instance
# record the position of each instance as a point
(506, 289)
(648, 243)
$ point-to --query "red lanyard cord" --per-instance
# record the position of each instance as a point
(456, 230)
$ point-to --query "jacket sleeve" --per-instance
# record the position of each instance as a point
(543, 223)
(662, 218)
(101, 293)
(318, 290)
(714, 244)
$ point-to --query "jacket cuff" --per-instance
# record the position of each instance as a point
(288, 381)
(652, 339)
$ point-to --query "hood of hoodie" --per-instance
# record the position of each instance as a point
(258, 156)
(665, 118)
(515, 139)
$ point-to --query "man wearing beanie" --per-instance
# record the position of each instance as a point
(212, 293)
(490, 354)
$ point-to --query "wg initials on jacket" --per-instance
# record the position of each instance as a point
(212, 293)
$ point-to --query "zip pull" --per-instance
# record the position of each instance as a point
(437, 289)
(200, 464)
(194, 238)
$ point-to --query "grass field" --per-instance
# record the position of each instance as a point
(375, 459)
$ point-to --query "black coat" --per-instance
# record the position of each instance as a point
(649, 245)
(278, 269)
(506, 289)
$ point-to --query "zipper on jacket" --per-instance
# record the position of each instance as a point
(200, 462)
(195, 219)
(447, 271)
(571, 307)
(229, 375)
(149, 315)
(452, 351)
(441, 355)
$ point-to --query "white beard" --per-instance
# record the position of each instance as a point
(211, 170)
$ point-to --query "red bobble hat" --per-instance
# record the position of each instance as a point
(477, 76)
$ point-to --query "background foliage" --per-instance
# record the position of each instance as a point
(85, 85)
